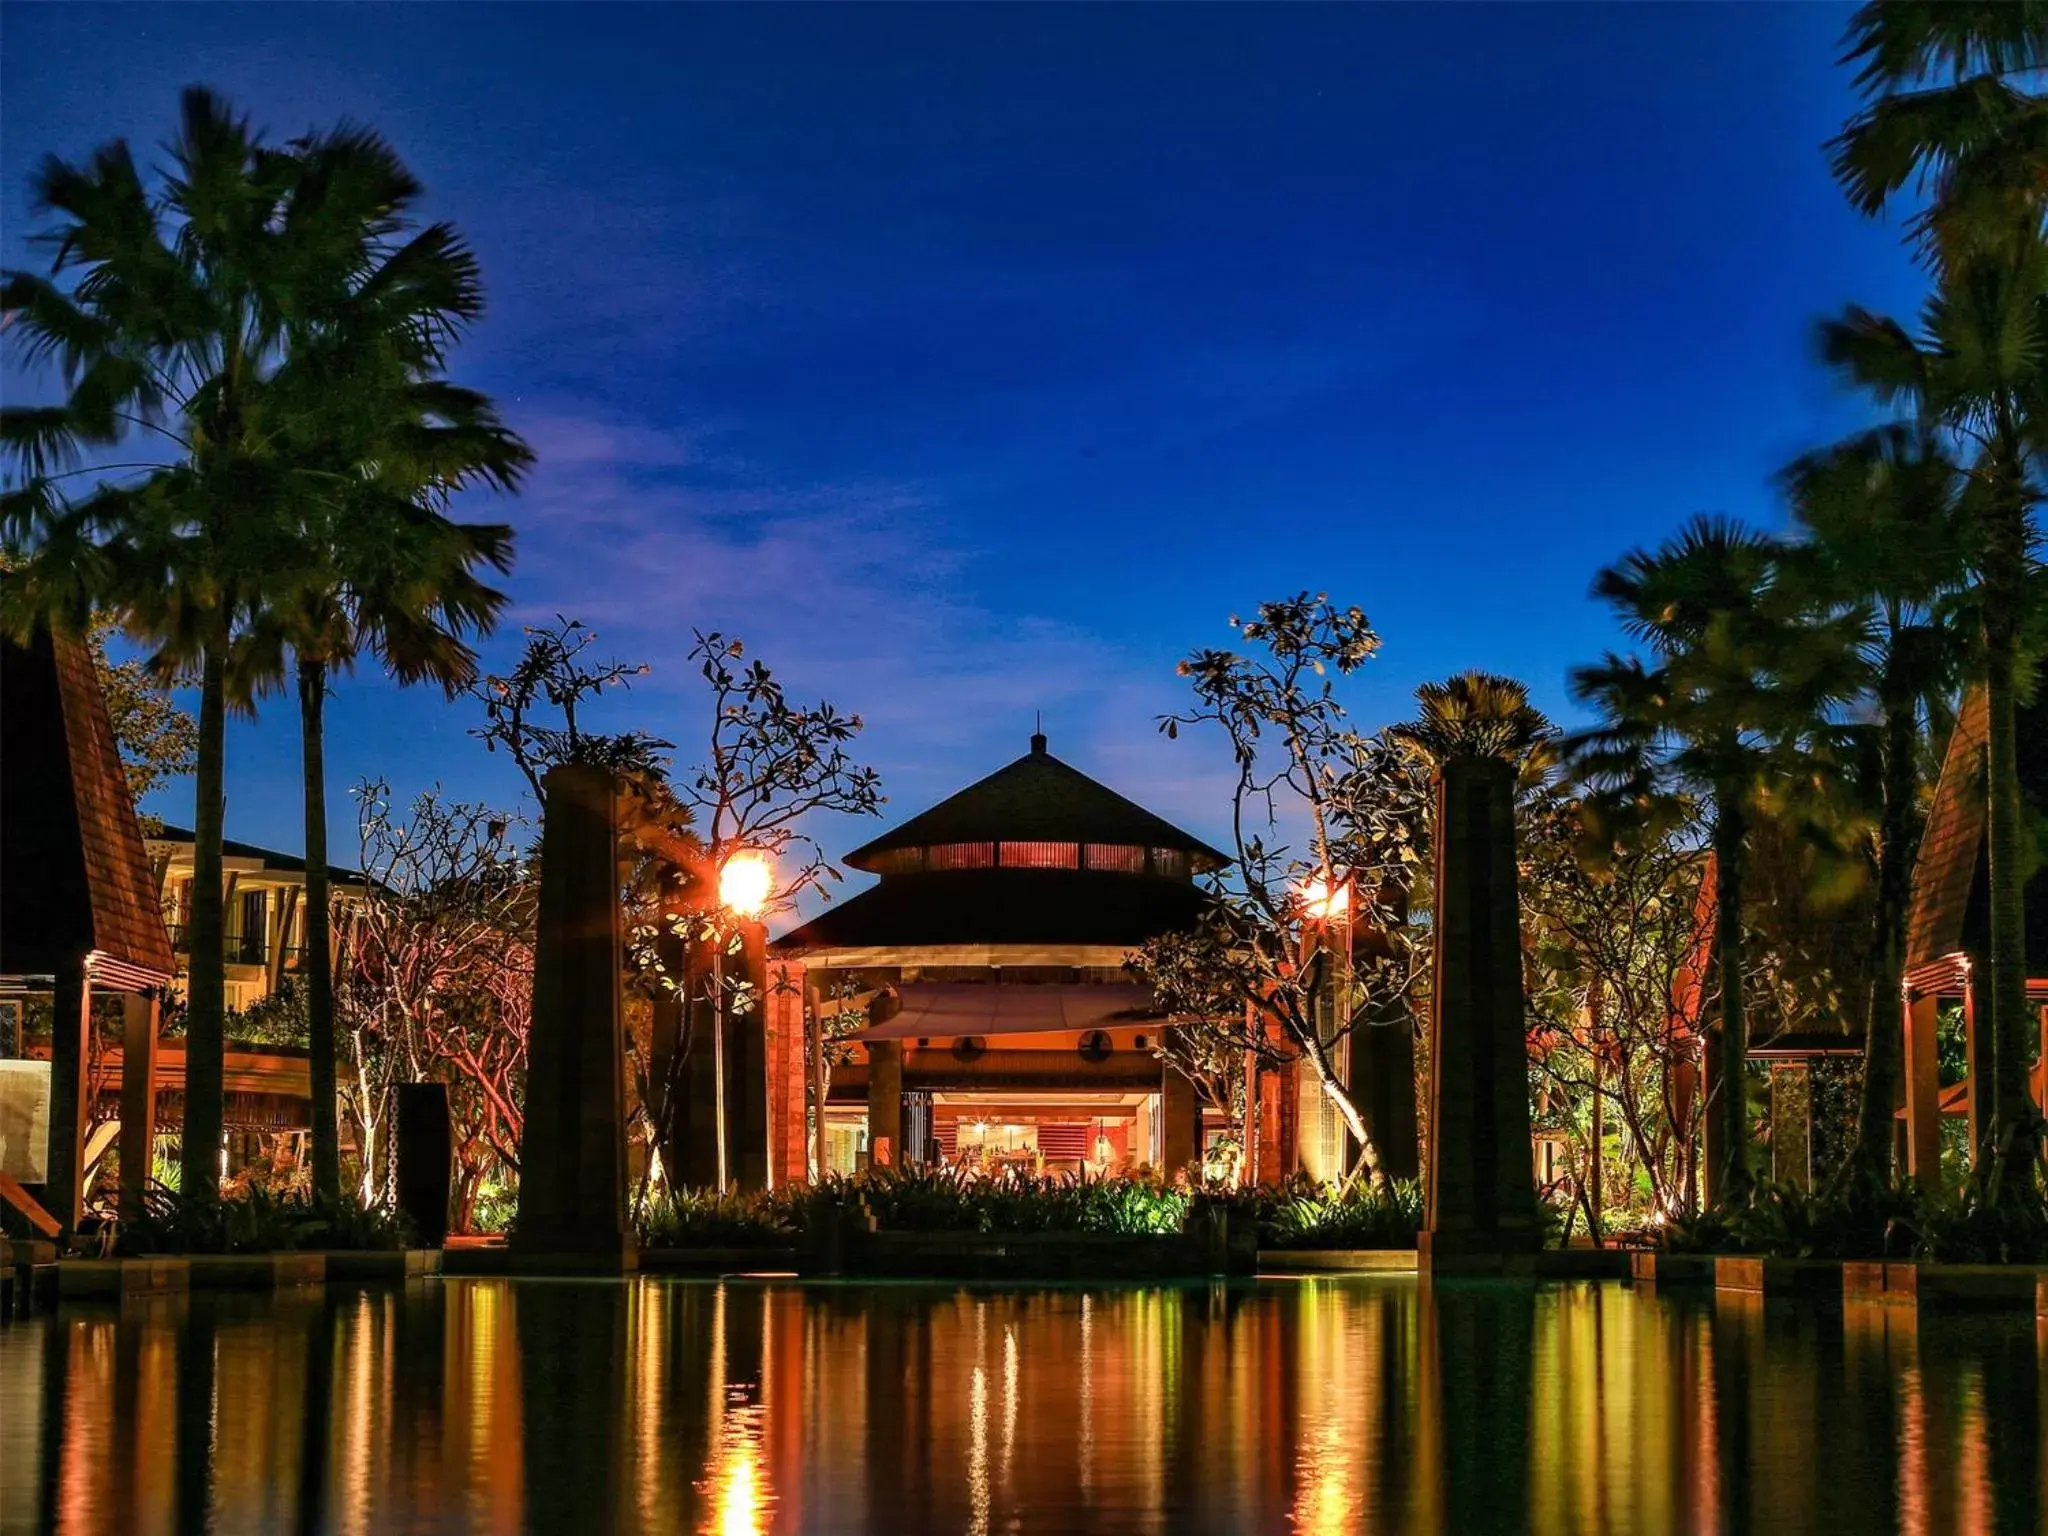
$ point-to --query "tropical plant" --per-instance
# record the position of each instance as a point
(166, 313)
(1275, 916)
(378, 567)
(1739, 679)
(1882, 518)
(1947, 115)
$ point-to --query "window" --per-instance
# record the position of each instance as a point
(1041, 855)
(960, 856)
(1171, 862)
(1114, 856)
(899, 861)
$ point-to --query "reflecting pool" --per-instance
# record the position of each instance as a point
(1369, 1404)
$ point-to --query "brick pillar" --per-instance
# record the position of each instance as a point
(70, 1095)
(1481, 1173)
(139, 1018)
(572, 1183)
(1180, 1123)
(746, 1067)
(788, 1092)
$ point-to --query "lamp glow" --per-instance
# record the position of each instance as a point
(744, 883)
(1322, 901)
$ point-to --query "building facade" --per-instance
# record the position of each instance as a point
(975, 998)
(266, 909)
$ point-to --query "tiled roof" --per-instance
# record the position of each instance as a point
(1946, 867)
(1951, 909)
(74, 874)
(1037, 798)
(270, 858)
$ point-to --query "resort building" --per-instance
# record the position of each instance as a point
(266, 909)
(998, 1024)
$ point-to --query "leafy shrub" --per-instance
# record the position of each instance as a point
(256, 1221)
(1305, 1214)
(701, 1219)
(1862, 1216)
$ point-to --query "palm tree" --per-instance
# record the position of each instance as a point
(1732, 686)
(1882, 514)
(1480, 736)
(1944, 115)
(380, 568)
(166, 315)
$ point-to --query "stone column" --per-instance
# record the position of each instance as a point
(1180, 1123)
(572, 1186)
(1481, 1178)
(885, 1103)
(70, 1095)
(1383, 1087)
(139, 1017)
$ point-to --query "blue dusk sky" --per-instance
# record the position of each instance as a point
(972, 361)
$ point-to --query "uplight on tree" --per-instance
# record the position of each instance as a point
(745, 882)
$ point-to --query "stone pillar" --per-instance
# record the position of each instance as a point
(885, 1104)
(572, 1185)
(1383, 1088)
(1792, 1123)
(70, 1095)
(746, 1066)
(788, 1091)
(1481, 1178)
(1180, 1123)
(139, 1018)
(426, 1148)
(1923, 1090)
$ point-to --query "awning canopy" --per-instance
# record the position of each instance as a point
(950, 1010)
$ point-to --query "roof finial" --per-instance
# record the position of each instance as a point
(1038, 731)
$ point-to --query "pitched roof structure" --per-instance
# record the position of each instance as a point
(1951, 906)
(1952, 844)
(1035, 854)
(1038, 798)
(74, 875)
(270, 858)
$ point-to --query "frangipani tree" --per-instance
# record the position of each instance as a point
(1261, 946)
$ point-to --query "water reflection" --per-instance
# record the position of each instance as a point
(1321, 1406)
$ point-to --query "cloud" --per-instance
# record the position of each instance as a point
(852, 592)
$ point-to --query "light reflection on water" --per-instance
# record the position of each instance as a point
(749, 1407)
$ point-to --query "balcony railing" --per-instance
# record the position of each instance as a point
(240, 949)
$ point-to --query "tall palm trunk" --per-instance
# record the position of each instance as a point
(206, 980)
(1730, 855)
(1884, 1044)
(319, 957)
(2003, 1090)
